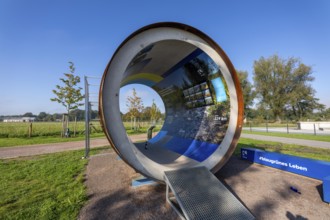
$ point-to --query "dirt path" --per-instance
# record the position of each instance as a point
(264, 191)
(111, 196)
(21, 151)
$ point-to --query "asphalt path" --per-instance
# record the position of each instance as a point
(31, 150)
(291, 130)
(21, 151)
(303, 142)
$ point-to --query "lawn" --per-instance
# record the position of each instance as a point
(290, 149)
(16, 134)
(298, 136)
(43, 187)
(42, 129)
(21, 141)
(52, 186)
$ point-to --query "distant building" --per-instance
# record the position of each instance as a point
(19, 119)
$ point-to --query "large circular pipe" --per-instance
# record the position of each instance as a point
(200, 90)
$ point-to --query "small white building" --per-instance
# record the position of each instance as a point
(309, 125)
(19, 119)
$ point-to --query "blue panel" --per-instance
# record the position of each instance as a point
(158, 137)
(142, 181)
(326, 189)
(303, 166)
(203, 151)
(191, 148)
(219, 89)
(178, 145)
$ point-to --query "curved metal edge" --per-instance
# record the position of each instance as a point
(223, 55)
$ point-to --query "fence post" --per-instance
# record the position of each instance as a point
(287, 126)
(30, 130)
(314, 129)
(75, 126)
(267, 124)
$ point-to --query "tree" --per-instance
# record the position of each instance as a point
(28, 114)
(42, 116)
(281, 83)
(248, 92)
(69, 95)
(135, 106)
(155, 113)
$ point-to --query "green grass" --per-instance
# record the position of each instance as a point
(298, 136)
(41, 129)
(43, 187)
(9, 142)
(290, 149)
(16, 134)
(21, 129)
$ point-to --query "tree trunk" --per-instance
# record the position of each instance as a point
(134, 123)
(278, 119)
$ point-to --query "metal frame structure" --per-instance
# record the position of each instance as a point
(88, 107)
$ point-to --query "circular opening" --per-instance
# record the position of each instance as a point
(141, 108)
(200, 91)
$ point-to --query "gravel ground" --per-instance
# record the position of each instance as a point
(264, 191)
(111, 196)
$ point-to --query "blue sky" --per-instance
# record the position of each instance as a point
(38, 38)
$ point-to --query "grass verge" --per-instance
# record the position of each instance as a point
(10, 142)
(290, 149)
(43, 187)
(298, 136)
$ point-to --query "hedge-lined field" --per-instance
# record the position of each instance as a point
(21, 129)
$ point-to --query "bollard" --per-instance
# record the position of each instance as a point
(149, 132)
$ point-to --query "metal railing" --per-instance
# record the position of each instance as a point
(88, 108)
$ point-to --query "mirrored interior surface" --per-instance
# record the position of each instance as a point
(195, 96)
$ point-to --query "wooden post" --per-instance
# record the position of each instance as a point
(30, 130)
(75, 126)
(63, 126)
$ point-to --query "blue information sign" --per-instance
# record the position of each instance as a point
(303, 166)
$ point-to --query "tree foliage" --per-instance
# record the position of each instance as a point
(135, 107)
(248, 92)
(155, 113)
(69, 95)
(282, 85)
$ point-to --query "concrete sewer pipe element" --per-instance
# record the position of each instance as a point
(200, 90)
